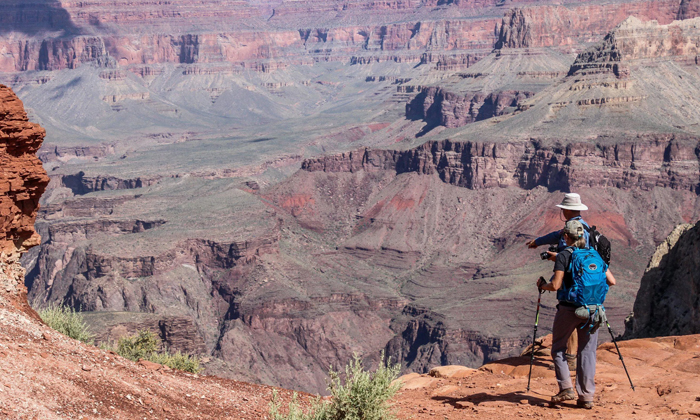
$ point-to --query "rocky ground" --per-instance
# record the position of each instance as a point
(664, 372)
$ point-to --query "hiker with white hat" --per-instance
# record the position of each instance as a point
(571, 207)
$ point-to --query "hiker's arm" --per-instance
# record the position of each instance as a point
(556, 282)
(609, 278)
(551, 238)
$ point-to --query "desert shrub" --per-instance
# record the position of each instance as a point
(67, 321)
(139, 346)
(177, 360)
(364, 395)
(145, 344)
(317, 411)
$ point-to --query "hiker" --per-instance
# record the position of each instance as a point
(571, 207)
(568, 319)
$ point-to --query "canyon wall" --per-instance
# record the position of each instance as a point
(642, 163)
(668, 298)
(576, 25)
(450, 34)
(637, 40)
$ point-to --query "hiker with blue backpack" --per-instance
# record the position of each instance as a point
(581, 280)
(571, 208)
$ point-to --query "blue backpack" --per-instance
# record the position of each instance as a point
(589, 282)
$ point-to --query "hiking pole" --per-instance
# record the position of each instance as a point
(534, 336)
(618, 353)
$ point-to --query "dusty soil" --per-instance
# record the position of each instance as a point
(45, 375)
(664, 371)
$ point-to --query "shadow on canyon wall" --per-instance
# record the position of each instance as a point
(32, 17)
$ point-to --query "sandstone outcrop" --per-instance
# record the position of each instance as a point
(80, 184)
(23, 179)
(175, 333)
(667, 302)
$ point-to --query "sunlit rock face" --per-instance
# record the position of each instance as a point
(23, 178)
(22, 181)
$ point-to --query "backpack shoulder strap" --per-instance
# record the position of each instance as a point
(570, 250)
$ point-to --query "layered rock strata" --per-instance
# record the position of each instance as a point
(176, 333)
(637, 40)
(641, 163)
(251, 36)
(533, 32)
(576, 25)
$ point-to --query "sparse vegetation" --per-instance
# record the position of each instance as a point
(67, 321)
(364, 395)
(145, 344)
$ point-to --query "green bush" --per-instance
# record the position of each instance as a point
(178, 361)
(364, 396)
(139, 346)
(67, 321)
(317, 411)
(145, 344)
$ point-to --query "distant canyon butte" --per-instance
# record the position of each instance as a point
(281, 185)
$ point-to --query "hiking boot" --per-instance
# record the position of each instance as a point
(584, 404)
(571, 361)
(564, 395)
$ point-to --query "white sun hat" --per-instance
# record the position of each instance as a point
(572, 201)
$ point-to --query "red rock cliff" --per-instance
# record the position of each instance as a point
(22, 180)
(636, 163)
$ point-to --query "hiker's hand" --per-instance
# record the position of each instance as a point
(531, 244)
(552, 256)
(541, 282)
